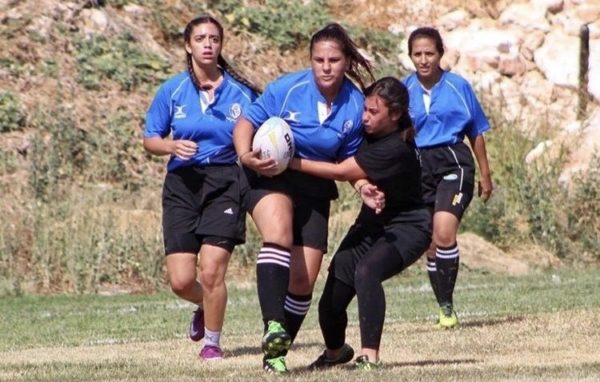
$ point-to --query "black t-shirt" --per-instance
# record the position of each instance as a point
(393, 165)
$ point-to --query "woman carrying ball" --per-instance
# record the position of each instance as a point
(323, 107)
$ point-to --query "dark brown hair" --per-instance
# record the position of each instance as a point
(395, 95)
(360, 67)
(426, 32)
(187, 35)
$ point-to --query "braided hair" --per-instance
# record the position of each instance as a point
(221, 62)
(395, 95)
(360, 67)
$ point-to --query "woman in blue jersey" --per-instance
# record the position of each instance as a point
(191, 119)
(444, 110)
(381, 244)
(323, 108)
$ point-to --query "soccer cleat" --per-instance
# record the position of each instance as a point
(275, 365)
(362, 363)
(276, 340)
(211, 353)
(448, 318)
(196, 329)
(345, 355)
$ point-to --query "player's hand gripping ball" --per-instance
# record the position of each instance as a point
(274, 139)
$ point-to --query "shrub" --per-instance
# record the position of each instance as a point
(12, 115)
(119, 59)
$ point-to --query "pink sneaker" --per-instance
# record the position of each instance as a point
(211, 353)
(196, 330)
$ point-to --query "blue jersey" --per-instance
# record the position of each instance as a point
(296, 98)
(453, 112)
(177, 109)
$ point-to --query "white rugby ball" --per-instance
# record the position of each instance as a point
(275, 140)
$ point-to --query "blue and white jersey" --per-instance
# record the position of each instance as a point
(184, 112)
(452, 113)
(318, 136)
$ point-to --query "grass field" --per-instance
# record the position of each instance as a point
(542, 326)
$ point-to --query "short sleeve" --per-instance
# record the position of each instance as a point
(479, 122)
(158, 116)
(377, 160)
(263, 107)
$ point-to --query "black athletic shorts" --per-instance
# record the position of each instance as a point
(448, 178)
(409, 232)
(203, 205)
(311, 213)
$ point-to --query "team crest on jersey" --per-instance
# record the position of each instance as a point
(234, 112)
(180, 112)
(347, 126)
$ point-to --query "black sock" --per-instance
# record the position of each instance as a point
(433, 278)
(296, 308)
(447, 260)
(272, 279)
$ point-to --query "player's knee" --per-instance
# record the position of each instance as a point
(211, 279)
(182, 286)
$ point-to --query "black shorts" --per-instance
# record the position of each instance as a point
(409, 232)
(203, 205)
(448, 178)
(311, 213)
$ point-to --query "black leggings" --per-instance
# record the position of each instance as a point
(379, 264)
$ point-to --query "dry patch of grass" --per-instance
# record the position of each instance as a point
(561, 345)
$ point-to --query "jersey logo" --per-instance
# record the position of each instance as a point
(180, 112)
(234, 112)
(292, 116)
(347, 126)
(228, 211)
(457, 198)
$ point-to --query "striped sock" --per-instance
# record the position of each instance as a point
(296, 308)
(447, 261)
(272, 279)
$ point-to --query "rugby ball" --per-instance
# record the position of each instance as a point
(275, 140)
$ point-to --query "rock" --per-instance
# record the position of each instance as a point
(589, 144)
(511, 65)
(537, 151)
(552, 6)
(558, 59)
(481, 48)
(453, 20)
(529, 16)
(531, 42)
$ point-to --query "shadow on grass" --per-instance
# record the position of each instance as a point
(394, 365)
(431, 362)
(491, 322)
(255, 350)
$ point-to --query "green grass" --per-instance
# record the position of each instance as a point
(142, 337)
